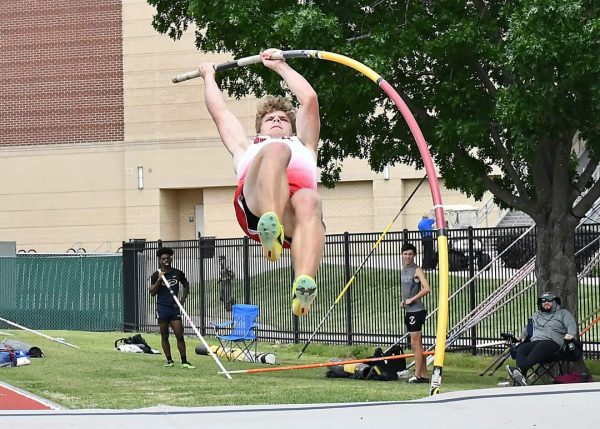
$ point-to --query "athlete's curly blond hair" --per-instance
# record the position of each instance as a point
(272, 103)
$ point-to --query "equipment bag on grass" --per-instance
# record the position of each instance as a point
(13, 358)
(6, 358)
(32, 351)
(125, 345)
(384, 370)
(573, 378)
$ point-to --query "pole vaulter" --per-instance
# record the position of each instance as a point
(442, 239)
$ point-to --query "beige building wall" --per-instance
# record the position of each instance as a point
(90, 195)
(51, 202)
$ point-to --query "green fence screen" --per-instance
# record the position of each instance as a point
(72, 292)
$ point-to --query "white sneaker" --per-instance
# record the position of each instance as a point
(516, 375)
(417, 380)
(403, 374)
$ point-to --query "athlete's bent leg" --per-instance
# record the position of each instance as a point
(266, 190)
(266, 187)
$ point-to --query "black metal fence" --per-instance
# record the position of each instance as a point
(226, 271)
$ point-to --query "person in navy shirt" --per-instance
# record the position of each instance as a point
(168, 312)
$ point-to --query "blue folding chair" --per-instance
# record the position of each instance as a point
(242, 333)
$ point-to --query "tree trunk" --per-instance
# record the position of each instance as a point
(556, 268)
(555, 260)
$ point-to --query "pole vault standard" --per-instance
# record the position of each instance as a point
(442, 239)
(324, 364)
(189, 319)
(38, 333)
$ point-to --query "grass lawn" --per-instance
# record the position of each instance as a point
(97, 376)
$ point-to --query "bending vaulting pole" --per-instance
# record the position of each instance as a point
(442, 239)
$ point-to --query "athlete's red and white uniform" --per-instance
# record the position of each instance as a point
(301, 173)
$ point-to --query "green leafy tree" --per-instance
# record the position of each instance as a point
(508, 84)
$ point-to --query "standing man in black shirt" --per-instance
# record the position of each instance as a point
(168, 312)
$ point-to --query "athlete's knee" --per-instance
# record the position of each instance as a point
(415, 341)
(177, 327)
(164, 335)
(276, 151)
(307, 202)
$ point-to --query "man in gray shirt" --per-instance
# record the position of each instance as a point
(414, 287)
(552, 327)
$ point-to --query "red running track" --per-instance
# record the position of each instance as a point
(15, 399)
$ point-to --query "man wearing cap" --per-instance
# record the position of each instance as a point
(552, 327)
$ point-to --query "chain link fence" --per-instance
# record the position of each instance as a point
(62, 291)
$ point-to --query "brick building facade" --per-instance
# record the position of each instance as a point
(62, 72)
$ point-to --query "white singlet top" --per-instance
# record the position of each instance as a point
(302, 163)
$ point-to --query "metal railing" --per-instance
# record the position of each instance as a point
(234, 270)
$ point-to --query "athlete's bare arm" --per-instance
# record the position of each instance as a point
(308, 123)
(231, 130)
(425, 288)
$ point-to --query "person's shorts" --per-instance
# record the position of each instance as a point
(414, 321)
(166, 314)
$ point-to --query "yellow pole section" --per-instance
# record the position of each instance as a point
(442, 319)
(442, 323)
(342, 59)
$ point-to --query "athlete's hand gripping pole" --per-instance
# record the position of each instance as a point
(187, 317)
(254, 59)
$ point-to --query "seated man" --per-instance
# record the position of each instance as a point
(552, 327)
